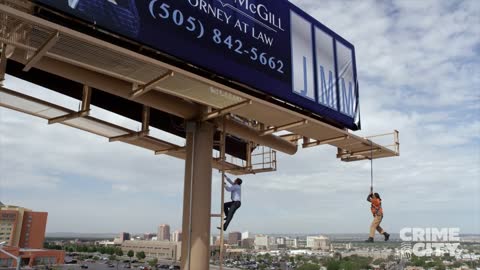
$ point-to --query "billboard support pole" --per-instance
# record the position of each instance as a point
(197, 196)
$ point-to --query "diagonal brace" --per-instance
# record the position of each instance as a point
(150, 85)
(221, 112)
(170, 150)
(42, 51)
(284, 127)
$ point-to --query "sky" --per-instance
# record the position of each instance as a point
(419, 73)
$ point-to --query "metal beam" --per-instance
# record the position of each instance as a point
(365, 153)
(170, 150)
(163, 102)
(86, 98)
(361, 153)
(129, 137)
(145, 118)
(150, 85)
(84, 111)
(328, 141)
(294, 138)
(16, 29)
(284, 127)
(223, 111)
(3, 62)
(67, 117)
(42, 51)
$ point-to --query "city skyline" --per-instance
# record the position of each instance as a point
(88, 185)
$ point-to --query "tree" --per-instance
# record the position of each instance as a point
(153, 262)
(333, 265)
(309, 266)
(119, 252)
(130, 254)
(102, 250)
(141, 255)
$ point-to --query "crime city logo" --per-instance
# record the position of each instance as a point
(428, 242)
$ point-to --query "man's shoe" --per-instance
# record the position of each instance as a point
(369, 240)
(387, 236)
(219, 228)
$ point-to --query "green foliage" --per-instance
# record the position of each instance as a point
(309, 266)
(130, 253)
(333, 265)
(153, 262)
(119, 252)
(418, 261)
(348, 263)
(140, 255)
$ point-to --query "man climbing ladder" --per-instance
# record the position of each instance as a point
(231, 207)
(377, 211)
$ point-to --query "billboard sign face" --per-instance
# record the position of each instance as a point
(269, 45)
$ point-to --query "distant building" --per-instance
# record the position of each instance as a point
(176, 236)
(162, 250)
(318, 242)
(150, 236)
(291, 242)
(124, 236)
(163, 232)
(106, 243)
(301, 243)
(264, 241)
(213, 240)
(23, 230)
(234, 238)
(280, 241)
(248, 243)
(246, 235)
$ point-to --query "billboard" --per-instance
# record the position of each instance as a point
(269, 45)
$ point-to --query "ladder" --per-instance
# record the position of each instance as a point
(223, 159)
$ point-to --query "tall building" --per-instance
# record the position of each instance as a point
(177, 236)
(21, 227)
(124, 236)
(318, 242)
(163, 232)
(23, 230)
(262, 241)
(248, 243)
(246, 235)
(291, 242)
(234, 238)
(213, 240)
(150, 236)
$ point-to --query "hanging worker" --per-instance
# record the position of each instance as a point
(229, 208)
(377, 211)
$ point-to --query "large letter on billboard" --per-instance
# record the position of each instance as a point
(302, 57)
(348, 98)
(327, 87)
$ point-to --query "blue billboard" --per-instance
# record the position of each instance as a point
(269, 45)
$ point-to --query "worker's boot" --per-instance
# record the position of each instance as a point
(387, 236)
(369, 240)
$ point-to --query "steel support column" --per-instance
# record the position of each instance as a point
(197, 197)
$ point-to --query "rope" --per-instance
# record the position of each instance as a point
(371, 165)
